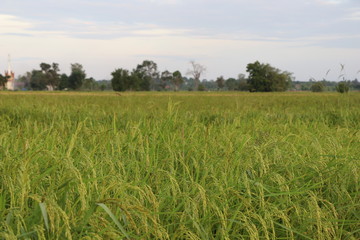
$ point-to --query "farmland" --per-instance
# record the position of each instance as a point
(179, 165)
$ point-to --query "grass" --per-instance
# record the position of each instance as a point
(179, 166)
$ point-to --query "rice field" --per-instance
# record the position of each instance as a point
(179, 165)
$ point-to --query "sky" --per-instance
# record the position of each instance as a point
(305, 37)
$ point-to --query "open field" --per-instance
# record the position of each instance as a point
(179, 166)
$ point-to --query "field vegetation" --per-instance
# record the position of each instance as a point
(180, 165)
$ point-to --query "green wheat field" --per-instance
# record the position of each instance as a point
(179, 165)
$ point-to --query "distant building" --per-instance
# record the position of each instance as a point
(10, 85)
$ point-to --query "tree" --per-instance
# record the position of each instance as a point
(3, 81)
(243, 85)
(64, 82)
(265, 78)
(89, 84)
(165, 78)
(231, 84)
(342, 87)
(201, 87)
(38, 80)
(355, 84)
(77, 76)
(25, 80)
(147, 72)
(317, 87)
(220, 81)
(121, 80)
(196, 71)
(177, 80)
(51, 74)
(54, 76)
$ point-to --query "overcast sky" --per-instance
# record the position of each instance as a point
(306, 37)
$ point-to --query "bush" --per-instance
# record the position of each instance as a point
(342, 87)
(201, 87)
(317, 87)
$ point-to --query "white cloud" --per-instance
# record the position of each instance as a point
(296, 35)
(354, 15)
(331, 2)
(13, 24)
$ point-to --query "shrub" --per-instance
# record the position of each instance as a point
(317, 87)
(342, 87)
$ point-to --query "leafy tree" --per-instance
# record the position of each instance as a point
(51, 74)
(201, 87)
(220, 81)
(3, 81)
(54, 76)
(121, 80)
(77, 76)
(25, 80)
(64, 82)
(196, 71)
(265, 78)
(242, 83)
(38, 80)
(317, 87)
(342, 87)
(355, 84)
(231, 84)
(177, 80)
(166, 77)
(147, 73)
(89, 84)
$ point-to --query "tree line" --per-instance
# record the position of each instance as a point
(262, 77)
(48, 77)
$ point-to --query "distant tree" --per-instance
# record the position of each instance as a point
(165, 79)
(196, 71)
(342, 87)
(148, 74)
(177, 80)
(54, 76)
(121, 80)
(317, 87)
(38, 80)
(64, 82)
(355, 84)
(45, 67)
(25, 80)
(265, 78)
(231, 84)
(89, 84)
(220, 81)
(51, 74)
(77, 76)
(140, 82)
(201, 87)
(242, 83)
(3, 81)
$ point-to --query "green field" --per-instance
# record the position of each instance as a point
(179, 166)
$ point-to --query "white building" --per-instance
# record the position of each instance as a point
(10, 85)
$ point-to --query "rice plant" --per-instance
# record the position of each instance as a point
(179, 166)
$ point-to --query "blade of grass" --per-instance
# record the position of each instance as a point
(113, 217)
(44, 214)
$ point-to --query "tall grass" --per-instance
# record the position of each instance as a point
(179, 166)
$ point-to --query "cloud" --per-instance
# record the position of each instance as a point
(221, 34)
(354, 15)
(163, 2)
(331, 2)
(12, 24)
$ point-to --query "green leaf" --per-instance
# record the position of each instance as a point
(44, 214)
(115, 220)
